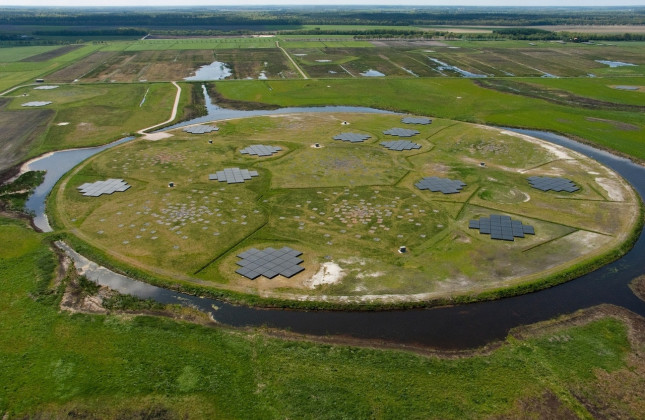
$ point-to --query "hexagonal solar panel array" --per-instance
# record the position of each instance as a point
(260, 150)
(416, 120)
(37, 103)
(400, 145)
(269, 262)
(501, 227)
(233, 175)
(546, 183)
(200, 129)
(401, 132)
(352, 137)
(444, 185)
(108, 186)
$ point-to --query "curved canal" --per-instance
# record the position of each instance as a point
(456, 327)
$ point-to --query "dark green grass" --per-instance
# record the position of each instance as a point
(108, 366)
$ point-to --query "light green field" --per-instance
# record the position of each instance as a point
(347, 207)
(13, 73)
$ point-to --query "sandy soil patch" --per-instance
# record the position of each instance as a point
(558, 151)
(62, 123)
(329, 273)
(612, 187)
(156, 136)
(373, 275)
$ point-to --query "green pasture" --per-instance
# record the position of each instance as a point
(96, 114)
(13, 72)
(458, 99)
(55, 363)
(349, 204)
(12, 54)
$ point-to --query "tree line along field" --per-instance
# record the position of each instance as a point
(348, 207)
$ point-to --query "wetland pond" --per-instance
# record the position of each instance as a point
(213, 71)
(455, 327)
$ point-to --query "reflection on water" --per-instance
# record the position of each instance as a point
(213, 71)
(613, 64)
(372, 73)
(217, 113)
(56, 164)
(445, 66)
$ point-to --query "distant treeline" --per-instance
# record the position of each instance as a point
(92, 32)
(321, 16)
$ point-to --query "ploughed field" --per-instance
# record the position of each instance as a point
(347, 207)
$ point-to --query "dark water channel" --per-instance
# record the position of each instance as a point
(457, 327)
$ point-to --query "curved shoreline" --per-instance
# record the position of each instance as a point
(448, 327)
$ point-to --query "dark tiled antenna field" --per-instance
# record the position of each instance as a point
(501, 227)
(546, 183)
(270, 262)
(260, 150)
(416, 120)
(401, 132)
(200, 129)
(352, 137)
(444, 185)
(108, 186)
(400, 145)
(233, 175)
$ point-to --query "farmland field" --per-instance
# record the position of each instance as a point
(87, 115)
(458, 99)
(348, 207)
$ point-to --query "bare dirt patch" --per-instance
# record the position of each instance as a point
(80, 68)
(618, 124)
(20, 129)
(545, 406)
(612, 187)
(329, 273)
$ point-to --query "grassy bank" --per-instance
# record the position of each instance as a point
(57, 364)
(303, 199)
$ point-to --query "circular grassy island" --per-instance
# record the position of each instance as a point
(348, 207)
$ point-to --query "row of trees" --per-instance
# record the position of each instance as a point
(321, 16)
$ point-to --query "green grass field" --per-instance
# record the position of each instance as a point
(347, 206)
(458, 99)
(55, 364)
